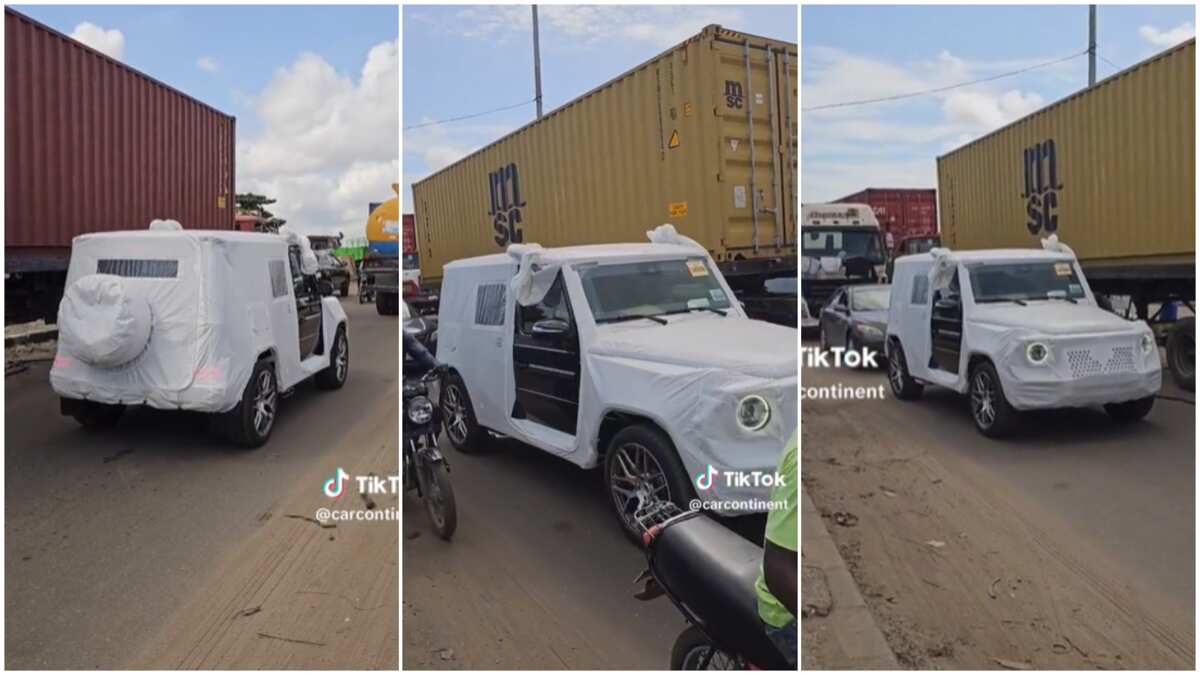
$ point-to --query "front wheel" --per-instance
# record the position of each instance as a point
(993, 415)
(1129, 411)
(641, 467)
(439, 500)
(694, 651)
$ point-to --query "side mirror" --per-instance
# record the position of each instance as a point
(324, 287)
(550, 327)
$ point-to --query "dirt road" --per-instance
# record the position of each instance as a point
(110, 536)
(538, 575)
(1068, 546)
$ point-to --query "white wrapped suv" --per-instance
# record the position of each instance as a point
(1015, 330)
(636, 357)
(217, 322)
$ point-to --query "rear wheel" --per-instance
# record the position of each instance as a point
(904, 387)
(1130, 411)
(462, 428)
(641, 467)
(335, 374)
(990, 410)
(250, 422)
(694, 651)
(1181, 353)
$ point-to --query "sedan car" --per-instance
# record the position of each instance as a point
(421, 326)
(856, 317)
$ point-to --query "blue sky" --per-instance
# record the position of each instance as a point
(314, 90)
(460, 60)
(854, 53)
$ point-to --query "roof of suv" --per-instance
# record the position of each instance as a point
(990, 254)
(220, 235)
(597, 252)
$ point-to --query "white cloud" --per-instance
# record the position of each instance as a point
(207, 63)
(110, 42)
(1169, 37)
(329, 142)
(661, 26)
(986, 111)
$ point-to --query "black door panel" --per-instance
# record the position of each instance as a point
(546, 362)
(308, 305)
(946, 328)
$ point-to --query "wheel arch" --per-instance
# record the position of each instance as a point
(615, 418)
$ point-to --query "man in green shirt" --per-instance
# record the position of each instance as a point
(776, 584)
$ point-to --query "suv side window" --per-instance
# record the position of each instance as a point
(553, 306)
(299, 281)
(920, 290)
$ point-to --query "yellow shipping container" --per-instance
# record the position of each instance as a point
(1110, 169)
(702, 136)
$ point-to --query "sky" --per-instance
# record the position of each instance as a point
(855, 53)
(315, 90)
(460, 60)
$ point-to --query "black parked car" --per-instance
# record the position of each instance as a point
(856, 317)
(334, 271)
(423, 326)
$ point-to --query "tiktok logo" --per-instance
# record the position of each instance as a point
(704, 479)
(333, 486)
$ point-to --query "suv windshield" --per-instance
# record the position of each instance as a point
(840, 242)
(1001, 282)
(628, 290)
(866, 299)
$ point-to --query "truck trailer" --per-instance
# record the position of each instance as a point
(1110, 170)
(92, 145)
(703, 137)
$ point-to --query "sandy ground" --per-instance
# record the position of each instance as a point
(108, 536)
(1070, 546)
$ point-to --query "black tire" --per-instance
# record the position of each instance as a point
(632, 449)
(822, 341)
(1181, 353)
(850, 347)
(458, 412)
(387, 304)
(335, 374)
(904, 387)
(1128, 412)
(692, 647)
(439, 500)
(243, 424)
(991, 412)
(95, 416)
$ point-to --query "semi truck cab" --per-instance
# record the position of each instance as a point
(840, 244)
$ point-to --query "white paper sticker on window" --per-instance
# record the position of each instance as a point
(717, 295)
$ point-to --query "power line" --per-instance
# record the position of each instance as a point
(1115, 66)
(941, 89)
(467, 117)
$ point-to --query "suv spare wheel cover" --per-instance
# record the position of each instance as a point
(101, 324)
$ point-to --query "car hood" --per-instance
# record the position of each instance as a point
(1053, 317)
(747, 346)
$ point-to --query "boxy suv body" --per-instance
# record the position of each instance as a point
(1015, 330)
(634, 357)
(216, 322)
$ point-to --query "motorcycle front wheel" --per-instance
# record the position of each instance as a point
(439, 500)
(694, 651)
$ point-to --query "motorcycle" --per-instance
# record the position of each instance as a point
(425, 469)
(708, 572)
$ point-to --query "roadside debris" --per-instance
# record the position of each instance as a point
(250, 611)
(293, 640)
(992, 588)
(845, 518)
(1011, 665)
(325, 524)
(935, 543)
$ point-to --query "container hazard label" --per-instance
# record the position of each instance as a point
(739, 196)
(677, 209)
(674, 142)
(220, 201)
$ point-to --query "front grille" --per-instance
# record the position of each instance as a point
(1090, 361)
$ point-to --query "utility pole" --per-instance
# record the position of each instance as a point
(537, 66)
(1091, 44)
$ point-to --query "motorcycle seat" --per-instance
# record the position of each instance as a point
(711, 571)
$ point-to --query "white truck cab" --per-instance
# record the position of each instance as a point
(212, 321)
(634, 357)
(840, 244)
(1015, 330)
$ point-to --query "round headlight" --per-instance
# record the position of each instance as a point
(753, 412)
(1147, 343)
(1037, 353)
(420, 410)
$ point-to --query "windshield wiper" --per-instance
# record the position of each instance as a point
(1068, 298)
(714, 310)
(1016, 300)
(631, 317)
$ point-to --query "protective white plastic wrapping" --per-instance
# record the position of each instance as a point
(687, 376)
(101, 323)
(228, 300)
(308, 259)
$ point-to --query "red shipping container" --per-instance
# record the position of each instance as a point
(901, 212)
(409, 234)
(92, 145)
